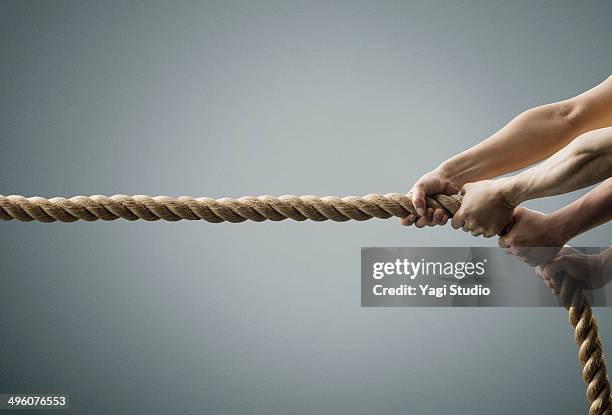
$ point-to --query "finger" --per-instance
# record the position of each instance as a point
(444, 220)
(422, 221)
(476, 233)
(438, 214)
(408, 220)
(539, 272)
(418, 198)
(488, 235)
(503, 242)
(501, 231)
(429, 215)
(466, 228)
(457, 221)
(544, 273)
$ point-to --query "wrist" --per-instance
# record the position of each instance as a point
(560, 227)
(511, 191)
(452, 172)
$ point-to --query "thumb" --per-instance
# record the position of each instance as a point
(418, 198)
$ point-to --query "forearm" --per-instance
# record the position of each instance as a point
(589, 211)
(532, 136)
(587, 160)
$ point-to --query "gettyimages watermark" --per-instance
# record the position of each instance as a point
(482, 277)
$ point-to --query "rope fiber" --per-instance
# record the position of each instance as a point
(301, 208)
(257, 209)
(589, 343)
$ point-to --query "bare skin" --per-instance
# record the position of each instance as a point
(535, 237)
(529, 138)
(591, 271)
(488, 205)
(540, 240)
(534, 229)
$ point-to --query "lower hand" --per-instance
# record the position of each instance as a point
(535, 237)
(588, 270)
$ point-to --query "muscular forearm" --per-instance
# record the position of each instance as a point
(587, 160)
(590, 211)
(529, 138)
(532, 136)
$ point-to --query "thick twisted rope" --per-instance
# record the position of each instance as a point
(257, 209)
(589, 344)
(302, 208)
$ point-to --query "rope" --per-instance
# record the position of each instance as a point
(589, 344)
(302, 208)
(257, 209)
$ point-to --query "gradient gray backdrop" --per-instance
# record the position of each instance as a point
(235, 98)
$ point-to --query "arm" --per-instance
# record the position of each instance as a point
(587, 160)
(532, 229)
(530, 137)
(488, 205)
(588, 212)
(533, 136)
(537, 230)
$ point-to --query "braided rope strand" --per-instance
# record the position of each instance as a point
(257, 209)
(590, 346)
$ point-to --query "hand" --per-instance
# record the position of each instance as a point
(534, 237)
(588, 270)
(433, 182)
(485, 208)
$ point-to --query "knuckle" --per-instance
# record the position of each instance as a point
(420, 187)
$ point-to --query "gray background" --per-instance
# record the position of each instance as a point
(234, 98)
